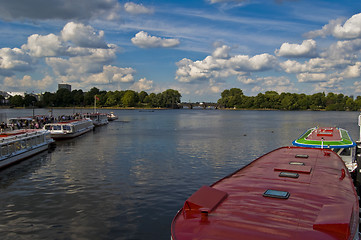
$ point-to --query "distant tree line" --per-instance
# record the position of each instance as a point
(230, 98)
(65, 98)
(234, 98)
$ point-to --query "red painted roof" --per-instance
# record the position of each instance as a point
(322, 202)
(327, 134)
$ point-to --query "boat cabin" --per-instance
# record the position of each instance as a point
(16, 142)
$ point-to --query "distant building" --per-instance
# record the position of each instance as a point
(64, 85)
(16, 93)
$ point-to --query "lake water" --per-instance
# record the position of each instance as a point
(127, 180)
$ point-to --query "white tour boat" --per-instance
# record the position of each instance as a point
(20, 144)
(69, 129)
(98, 119)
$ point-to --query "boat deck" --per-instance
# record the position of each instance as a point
(322, 137)
(314, 198)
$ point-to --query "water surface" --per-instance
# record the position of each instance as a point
(128, 179)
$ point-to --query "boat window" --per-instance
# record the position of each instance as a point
(297, 163)
(28, 143)
(289, 174)
(17, 145)
(4, 150)
(66, 127)
(56, 127)
(11, 148)
(345, 152)
(48, 127)
(33, 141)
(23, 144)
(301, 156)
(276, 194)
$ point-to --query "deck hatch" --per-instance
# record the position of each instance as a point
(276, 194)
(289, 174)
(297, 163)
(301, 156)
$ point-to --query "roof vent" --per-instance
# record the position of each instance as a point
(276, 194)
(297, 163)
(289, 174)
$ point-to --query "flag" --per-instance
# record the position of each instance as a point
(96, 97)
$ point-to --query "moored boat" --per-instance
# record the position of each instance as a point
(17, 145)
(289, 193)
(334, 138)
(98, 119)
(69, 129)
(112, 117)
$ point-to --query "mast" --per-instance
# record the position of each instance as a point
(95, 103)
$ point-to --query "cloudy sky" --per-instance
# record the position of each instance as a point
(198, 47)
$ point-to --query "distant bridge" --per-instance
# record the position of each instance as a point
(199, 105)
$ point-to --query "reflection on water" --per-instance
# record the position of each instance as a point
(128, 179)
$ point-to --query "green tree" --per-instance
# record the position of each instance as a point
(16, 101)
(89, 96)
(142, 96)
(259, 100)
(30, 100)
(271, 100)
(78, 97)
(63, 98)
(47, 99)
(2, 100)
(129, 99)
(170, 98)
(231, 98)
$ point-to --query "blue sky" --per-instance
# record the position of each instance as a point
(199, 47)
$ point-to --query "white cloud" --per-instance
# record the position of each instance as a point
(271, 83)
(306, 49)
(221, 52)
(43, 46)
(312, 77)
(134, 8)
(110, 75)
(83, 36)
(357, 86)
(347, 49)
(351, 29)
(144, 40)
(28, 83)
(82, 64)
(313, 65)
(222, 65)
(14, 59)
(142, 85)
(352, 71)
(333, 84)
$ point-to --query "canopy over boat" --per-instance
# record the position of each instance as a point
(290, 193)
(325, 137)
